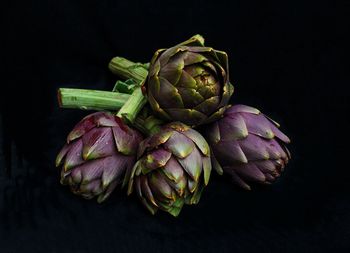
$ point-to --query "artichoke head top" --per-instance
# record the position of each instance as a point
(189, 83)
(97, 154)
(173, 168)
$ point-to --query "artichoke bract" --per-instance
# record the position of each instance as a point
(248, 146)
(189, 83)
(172, 169)
(98, 151)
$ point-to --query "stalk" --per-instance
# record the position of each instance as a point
(133, 106)
(129, 105)
(149, 125)
(128, 69)
(91, 99)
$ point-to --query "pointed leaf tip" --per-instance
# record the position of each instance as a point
(199, 38)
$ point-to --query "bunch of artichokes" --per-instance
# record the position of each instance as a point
(161, 154)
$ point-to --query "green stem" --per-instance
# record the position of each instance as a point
(128, 69)
(91, 99)
(133, 106)
(149, 125)
(107, 100)
(129, 105)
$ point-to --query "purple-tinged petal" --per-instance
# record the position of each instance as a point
(241, 109)
(114, 168)
(192, 185)
(102, 197)
(173, 170)
(91, 170)
(215, 164)
(168, 96)
(212, 133)
(74, 155)
(159, 138)
(250, 172)
(98, 143)
(274, 149)
(254, 148)
(127, 140)
(186, 81)
(137, 183)
(129, 178)
(199, 140)
(190, 96)
(159, 186)
(266, 166)
(179, 186)
(146, 190)
(206, 169)
(76, 176)
(269, 177)
(209, 105)
(172, 70)
(85, 125)
(229, 152)
(179, 145)
(192, 58)
(62, 154)
(142, 147)
(155, 159)
(280, 164)
(284, 138)
(259, 125)
(232, 127)
(192, 164)
(93, 187)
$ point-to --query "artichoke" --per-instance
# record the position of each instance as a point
(248, 146)
(99, 150)
(172, 169)
(189, 83)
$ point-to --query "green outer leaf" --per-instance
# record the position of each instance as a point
(216, 165)
(206, 169)
(156, 108)
(149, 206)
(130, 178)
(196, 40)
(199, 140)
(196, 195)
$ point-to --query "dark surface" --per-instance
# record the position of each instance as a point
(284, 59)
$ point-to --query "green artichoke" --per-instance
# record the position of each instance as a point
(97, 154)
(248, 146)
(172, 169)
(189, 83)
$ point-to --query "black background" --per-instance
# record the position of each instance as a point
(284, 59)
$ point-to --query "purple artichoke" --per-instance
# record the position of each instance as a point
(99, 150)
(248, 146)
(189, 83)
(172, 169)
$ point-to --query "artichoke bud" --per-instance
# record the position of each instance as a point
(98, 152)
(248, 146)
(174, 169)
(189, 83)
